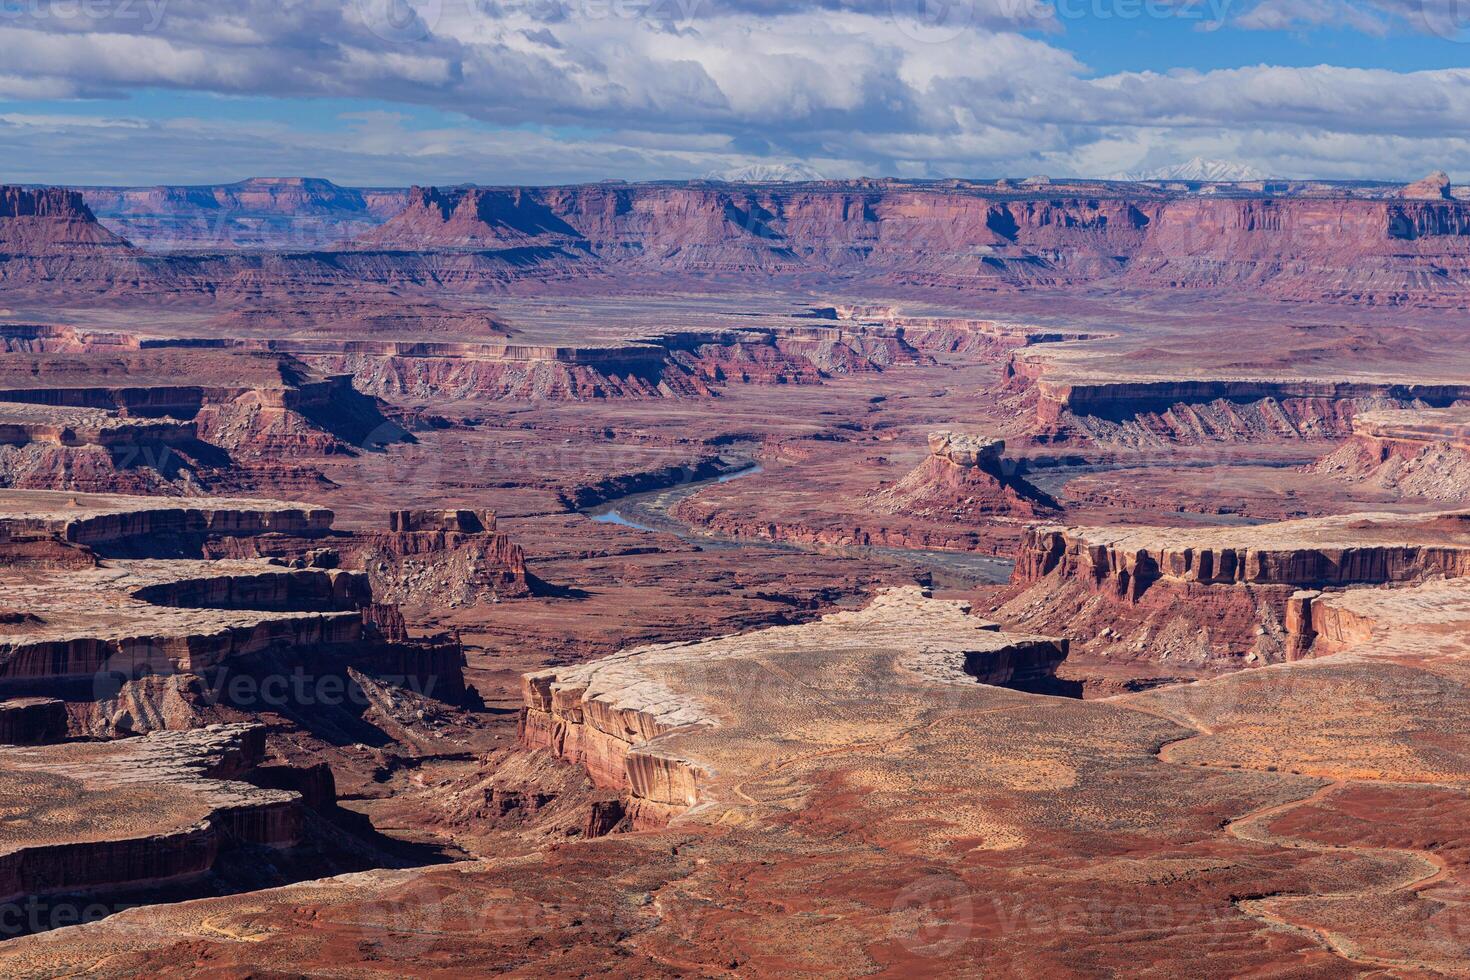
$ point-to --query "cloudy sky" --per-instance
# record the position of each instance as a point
(546, 91)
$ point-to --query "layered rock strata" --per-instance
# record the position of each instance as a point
(1350, 549)
(139, 643)
(22, 425)
(677, 363)
(1343, 248)
(254, 403)
(172, 617)
(1408, 453)
(897, 824)
(110, 522)
(137, 812)
(32, 721)
(1074, 399)
(965, 478)
(619, 717)
(1217, 597)
(441, 558)
(1369, 621)
(50, 223)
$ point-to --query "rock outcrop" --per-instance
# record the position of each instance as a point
(153, 640)
(1351, 549)
(1344, 248)
(23, 425)
(111, 523)
(32, 721)
(678, 363)
(1408, 453)
(1340, 250)
(620, 717)
(965, 478)
(1101, 398)
(443, 558)
(136, 813)
(96, 451)
(50, 223)
(1435, 187)
(117, 412)
(1221, 597)
(1347, 249)
(1381, 622)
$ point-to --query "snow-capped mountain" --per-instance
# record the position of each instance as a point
(757, 173)
(1197, 169)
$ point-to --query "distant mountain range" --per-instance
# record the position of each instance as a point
(1197, 169)
(761, 173)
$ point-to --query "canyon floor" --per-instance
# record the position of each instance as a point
(744, 620)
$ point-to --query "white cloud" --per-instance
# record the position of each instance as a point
(679, 87)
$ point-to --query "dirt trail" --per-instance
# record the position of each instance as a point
(1252, 827)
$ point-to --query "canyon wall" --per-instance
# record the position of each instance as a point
(160, 810)
(1408, 453)
(1350, 249)
(896, 233)
(1127, 562)
(608, 736)
(1216, 597)
(1370, 251)
(634, 720)
(1077, 396)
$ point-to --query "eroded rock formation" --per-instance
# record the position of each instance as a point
(1435, 187)
(1201, 595)
(1345, 248)
(116, 413)
(966, 477)
(137, 812)
(153, 640)
(1408, 453)
(618, 717)
(443, 558)
(1075, 401)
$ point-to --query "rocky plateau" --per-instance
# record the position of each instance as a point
(727, 578)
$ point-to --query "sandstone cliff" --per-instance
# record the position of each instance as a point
(1340, 249)
(640, 721)
(1348, 250)
(138, 812)
(1331, 551)
(964, 478)
(1435, 187)
(1409, 453)
(441, 559)
(1220, 597)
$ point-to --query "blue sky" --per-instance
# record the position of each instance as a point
(543, 91)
